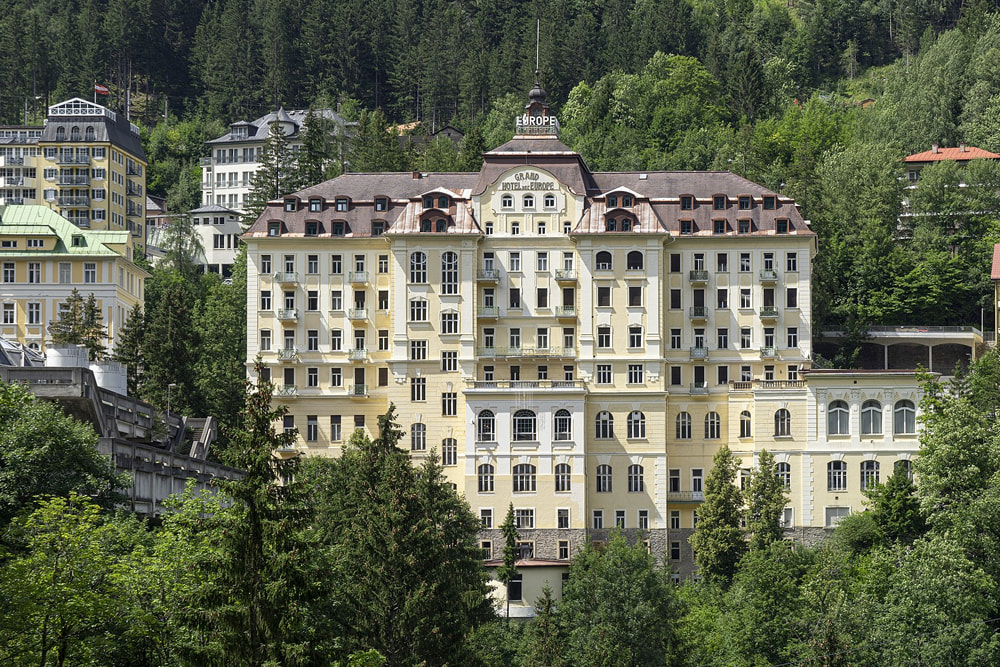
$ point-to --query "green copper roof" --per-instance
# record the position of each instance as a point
(40, 220)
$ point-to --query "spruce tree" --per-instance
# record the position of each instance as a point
(170, 345)
(94, 331)
(274, 175)
(129, 348)
(766, 503)
(317, 157)
(374, 147)
(506, 572)
(718, 540)
(68, 328)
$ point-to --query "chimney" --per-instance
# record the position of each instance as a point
(934, 148)
(962, 146)
(416, 175)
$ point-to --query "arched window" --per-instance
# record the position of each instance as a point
(528, 201)
(634, 261)
(636, 481)
(524, 478)
(563, 425)
(782, 422)
(683, 426)
(837, 422)
(871, 418)
(524, 425)
(604, 261)
(836, 476)
(418, 267)
(605, 423)
(903, 467)
(449, 452)
(713, 426)
(486, 427)
(745, 430)
(89, 133)
(905, 418)
(626, 224)
(603, 479)
(550, 201)
(564, 476)
(418, 437)
(485, 472)
(449, 273)
(74, 133)
(784, 474)
(636, 425)
(60, 134)
(506, 201)
(869, 474)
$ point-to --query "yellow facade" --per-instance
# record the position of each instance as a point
(43, 257)
(576, 344)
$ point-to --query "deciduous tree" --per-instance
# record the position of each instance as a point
(718, 541)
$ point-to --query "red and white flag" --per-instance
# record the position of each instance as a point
(103, 90)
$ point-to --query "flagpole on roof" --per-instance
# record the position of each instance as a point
(95, 91)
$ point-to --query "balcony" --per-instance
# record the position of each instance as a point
(9, 161)
(566, 275)
(74, 202)
(288, 354)
(566, 312)
(357, 354)
(698, 276)
(13, 200)
(698, 312)
(524, 351)
(489, 312)
(768, 352)
(699, 388)
(768, 276)
(12, 181)
(768, 313)
(358, 313)
(522, 385)
(133, 190)
(360, 277)
(72, 179)
(358, 391)
(699, 352)
(488, 275)
(286, 277)
(133, 209)
(73, 159)
(133, 170)
(288, 314)
(205, 162)
(286, 390)
(685, 496)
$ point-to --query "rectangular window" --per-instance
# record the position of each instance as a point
(486, 517)
(312, 428)
(634, 295)
(598, 520)
(722, 298)
(697, 478)
(620, 519)
(418, 350)
(515, 261)
(675, 376)
(722, 374)
(674, 483)
(336, 264)
(8, 272)
(745, 338)
(603, 296)
(265, 340)
(792, 297)
(636, 374)
(745, 262)
(34, 313)
(336, 340)
(675, 299)
(675, 262)
(9, 316)
(542, 261)
(722, 339)
(312, 340)
(418, 310)
(675, 339)
(791, 261)
(793, 372)
(34, 273)
(449, 362)
(449, 404)
(603, 374)
(793, 337)
(542, 297)
(515, 297)
(562, 518)
(745, 302)
(542, 338)
(524, 518)
(418, 389)
(675, 551)
(312, 378)
(312, 300)
(336, 377)
(89, 273)
(643, 520)
(675, 515)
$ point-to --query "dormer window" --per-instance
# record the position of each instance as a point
(687, 203)
(718, 226)
(291, 205)
(549, 201)
(612, 202)
(312, 228)
(529, 201)
(443, 203)
(315, 205)
(745, 202)
(381, 204)
(429, 201)
(687, 226)
(626, 225)
(425, 225)
(744, 226)
(781, 226)
(719, 202)
(274, 229)
(770, 202)
(339, 228)
(610, 225)
(506, 202)
(341, 204)
(378, 228)
(441, 225)
(626, 201)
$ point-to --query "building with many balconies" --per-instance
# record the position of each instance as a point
(576, 343)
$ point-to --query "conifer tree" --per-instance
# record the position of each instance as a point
(718, 540)
(274, 175)
(170, 345)
(766, 503)
(318, 159)
(94, 331)
(68, 329)
(374, 147)
(506, 572)
(129, 348)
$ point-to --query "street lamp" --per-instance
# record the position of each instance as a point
(169, 387)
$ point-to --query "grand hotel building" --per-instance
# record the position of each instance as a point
(576, 343)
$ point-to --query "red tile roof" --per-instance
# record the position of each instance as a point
(962, 153)
(995, 271)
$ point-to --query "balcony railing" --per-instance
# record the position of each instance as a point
(73, 201)
(768, 276)
(359, 276)
(698, 276)
(133, 170)
(699, 388)
(358, 391)
(566, 275)
(11, 181)
(286, 277)
(66, 179)
(287, 314)
(10, 161)
(133, 190)
(489, 312)
(286, 390)
(698, 312)
(73, 159)
(13, 200)
(288, 353)
(768, 313)
(565, 311)
(768, 352)
(524, 351)
(685, 496)
(488, 275)
(699, 352)
(357, 354)
(358, 313)
(521, 385)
